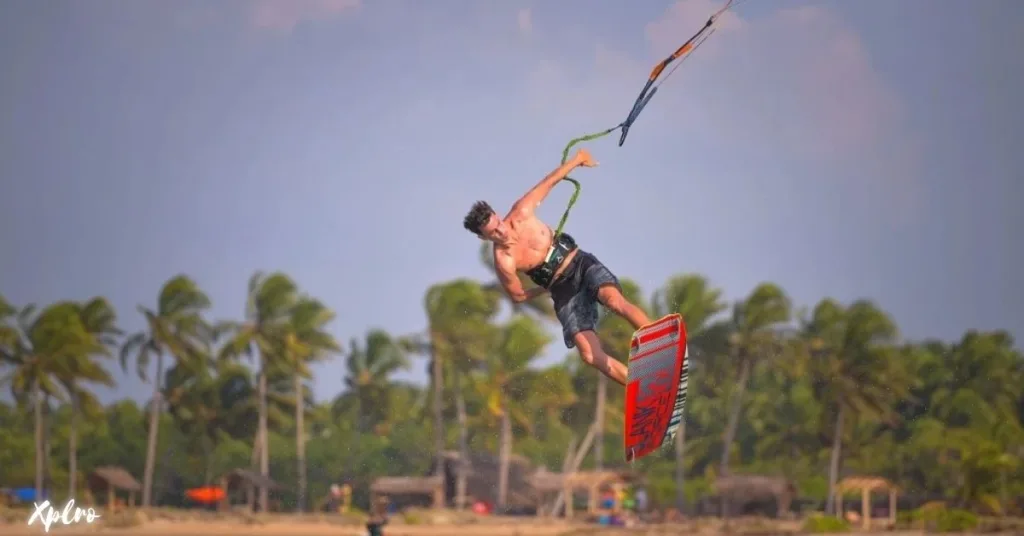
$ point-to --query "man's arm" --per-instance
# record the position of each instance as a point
(506, 268)
(529, 202)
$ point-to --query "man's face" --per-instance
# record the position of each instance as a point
(494, 230)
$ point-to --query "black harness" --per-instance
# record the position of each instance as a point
(561, 247)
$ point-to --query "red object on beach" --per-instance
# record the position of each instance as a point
(206, 494)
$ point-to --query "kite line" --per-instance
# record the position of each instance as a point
(654, 80)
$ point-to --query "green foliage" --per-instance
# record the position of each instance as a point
(956, 521)
(938, 518)
(823, 524)
(940, 418)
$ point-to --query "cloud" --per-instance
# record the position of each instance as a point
(524, 18)
(274, 16)
(795, 86)
(799, 76)
(285, 15)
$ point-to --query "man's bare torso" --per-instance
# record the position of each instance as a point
(530, 244)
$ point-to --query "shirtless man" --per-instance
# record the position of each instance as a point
(576, 280)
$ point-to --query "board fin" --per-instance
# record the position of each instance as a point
(655, 386)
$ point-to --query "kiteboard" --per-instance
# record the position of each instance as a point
(655, 386)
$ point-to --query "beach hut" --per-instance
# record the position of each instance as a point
(247, 480)
(110, 479)
(744, 489)
(546, 483)
(866, 485)
(482, 470)
(429, 487)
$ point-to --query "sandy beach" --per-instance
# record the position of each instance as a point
(305, 529)
(489, 527)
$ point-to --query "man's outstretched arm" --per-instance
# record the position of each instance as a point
(529, 202)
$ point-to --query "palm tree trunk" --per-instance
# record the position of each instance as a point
(504, 455)
(262, 430)
(48, 425)
(37, 401)
(731, 430)
(359, 390)
(680, 468)
(250, 492)
(257, 446)
(833, 466)
(154, 423)
(438, 382)
(300, 443)
(208, 455)
(73, 448)
(734, 417)
(599, 411)
(462, 470)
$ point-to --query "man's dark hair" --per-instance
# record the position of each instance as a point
(477, 217)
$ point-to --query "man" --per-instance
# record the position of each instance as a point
(575, 278)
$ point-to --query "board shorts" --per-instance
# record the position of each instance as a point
(575, 294)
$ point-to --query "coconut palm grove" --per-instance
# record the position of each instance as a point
(809, 392)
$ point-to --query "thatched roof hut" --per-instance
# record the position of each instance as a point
(752, 487)
(247, 480)
(545, 482)
(430, 486)
(866, 485)
(482, 479)
(745, 489)
(116, 477)
(245, 477)
(112, 478)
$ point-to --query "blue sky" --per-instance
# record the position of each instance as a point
(845, 149)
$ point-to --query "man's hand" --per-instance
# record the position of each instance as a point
(529, 202)
(584, 158)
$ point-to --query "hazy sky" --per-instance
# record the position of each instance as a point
(850, 149)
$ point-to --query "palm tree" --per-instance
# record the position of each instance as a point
(503, 384)
(459, 334)
(974, 392)
(269, 306)
(854, 367)
(209, 405)
(176, 329)
(368, 379)
(191, 394)
(305, 341)
(967, 394)
(693, 297)
(100, 321)
(45, 349)
(550, 395)
(9, 335)
(752, 338)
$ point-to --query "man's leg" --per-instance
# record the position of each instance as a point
(611, 297)
(603, 284)
(578, 315)
(592, 353)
